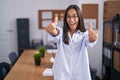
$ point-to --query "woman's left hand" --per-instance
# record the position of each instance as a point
(93, 35)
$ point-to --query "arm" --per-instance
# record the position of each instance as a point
(91, 36)
(53, 31)
(55, 38)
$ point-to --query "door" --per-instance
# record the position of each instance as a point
(5, 31)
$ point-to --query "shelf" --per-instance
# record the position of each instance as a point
(108, 45)
(115, 74)
(106, 61)
(111, 52)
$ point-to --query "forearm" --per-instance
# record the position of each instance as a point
(54, 38)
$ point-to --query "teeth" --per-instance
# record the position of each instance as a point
(72, 23)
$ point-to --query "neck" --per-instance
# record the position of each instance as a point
(72, 32)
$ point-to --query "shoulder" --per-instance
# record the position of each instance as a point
(82, 33)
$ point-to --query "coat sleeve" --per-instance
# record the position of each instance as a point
(87, 42)
(55, 39)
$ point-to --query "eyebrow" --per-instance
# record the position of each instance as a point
(73, 14)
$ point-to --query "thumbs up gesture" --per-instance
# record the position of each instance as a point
(51, 28)
(93, 35)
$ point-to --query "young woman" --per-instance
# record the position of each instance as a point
(71, 60)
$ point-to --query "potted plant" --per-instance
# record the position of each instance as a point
(37, 58)
(42, 50)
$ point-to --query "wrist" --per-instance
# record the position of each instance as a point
(56, 32)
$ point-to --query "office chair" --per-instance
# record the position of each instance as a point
(4, 69)
(1, 76)
(13, 58)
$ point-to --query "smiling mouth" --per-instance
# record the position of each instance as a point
(72, 24)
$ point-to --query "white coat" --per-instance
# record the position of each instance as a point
(71, 61)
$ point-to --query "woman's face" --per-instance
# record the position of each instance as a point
(72, 19)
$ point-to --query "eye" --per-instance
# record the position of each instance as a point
(68, 16)
(75, 16)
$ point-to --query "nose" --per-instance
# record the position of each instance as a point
(71, 19)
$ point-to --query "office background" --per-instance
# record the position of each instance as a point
(29, 9)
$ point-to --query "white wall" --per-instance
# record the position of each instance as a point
(29, 9)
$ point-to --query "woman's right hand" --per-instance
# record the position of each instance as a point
(51, 28)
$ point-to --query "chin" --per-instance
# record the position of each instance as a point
(73, 28)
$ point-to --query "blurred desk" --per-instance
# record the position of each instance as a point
(25, 69)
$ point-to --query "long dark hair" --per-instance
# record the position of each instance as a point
(66, 27)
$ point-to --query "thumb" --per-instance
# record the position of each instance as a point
(90, 27)
(55, 21)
